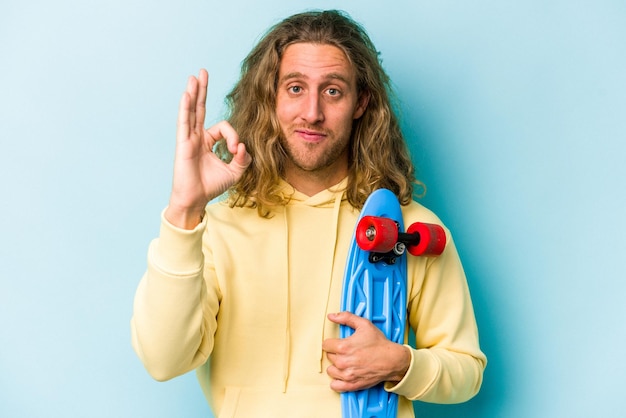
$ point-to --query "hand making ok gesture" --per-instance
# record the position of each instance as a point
(199, 174)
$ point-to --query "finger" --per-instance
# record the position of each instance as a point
(343, 381)
(222, 130)
(182, 126)
(337, 346)
(346, 318)
(192, 91)
(200, 105)
(333, 372)
(241, 159)
(341, 386)
(232, 137)
(330, 346)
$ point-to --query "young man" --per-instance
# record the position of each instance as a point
(247, 291)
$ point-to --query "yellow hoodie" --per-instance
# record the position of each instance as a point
(244, 300)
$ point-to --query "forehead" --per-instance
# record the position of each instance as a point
(309, 60)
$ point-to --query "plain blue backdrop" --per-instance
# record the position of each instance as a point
(515, 114)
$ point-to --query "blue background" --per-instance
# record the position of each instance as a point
(515, 112)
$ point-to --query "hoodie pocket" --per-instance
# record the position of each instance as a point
(296, 403)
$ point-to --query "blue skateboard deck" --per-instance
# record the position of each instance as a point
(375, 291)
(375, 285)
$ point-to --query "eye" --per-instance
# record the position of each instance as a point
(295, 89)
(333, 92)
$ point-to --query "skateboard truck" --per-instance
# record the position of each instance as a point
(398, 249)
(384, 241)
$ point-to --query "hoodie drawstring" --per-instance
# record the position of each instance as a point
(336, 208)
(287, 355)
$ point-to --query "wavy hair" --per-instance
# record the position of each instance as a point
(378, 157)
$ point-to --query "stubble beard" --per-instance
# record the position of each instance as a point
(315, 158)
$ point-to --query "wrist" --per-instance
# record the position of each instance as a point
(402, 365)
(184, 218)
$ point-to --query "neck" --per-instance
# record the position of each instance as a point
(312, 182)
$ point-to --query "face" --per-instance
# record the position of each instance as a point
(316, 103)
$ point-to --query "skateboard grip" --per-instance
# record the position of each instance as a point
(432, 240)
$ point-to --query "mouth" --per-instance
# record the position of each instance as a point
(310, 135)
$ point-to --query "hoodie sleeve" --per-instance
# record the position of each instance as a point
(174, 313)
(447, 364)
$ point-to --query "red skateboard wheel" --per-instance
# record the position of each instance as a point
(376, 234)
(432, 239)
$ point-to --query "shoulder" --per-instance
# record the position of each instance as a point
(416, 212)
(220, 213)
(221, 210)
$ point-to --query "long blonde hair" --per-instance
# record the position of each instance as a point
(379, 156)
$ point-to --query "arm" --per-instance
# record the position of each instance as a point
(175, 305)
(446, 366)
(175, 308)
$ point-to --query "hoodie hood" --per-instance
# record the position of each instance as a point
(326, 198)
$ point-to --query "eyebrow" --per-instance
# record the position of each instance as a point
(329, 76)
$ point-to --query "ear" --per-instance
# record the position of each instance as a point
(361, 105)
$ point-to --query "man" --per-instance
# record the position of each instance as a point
(247, 290)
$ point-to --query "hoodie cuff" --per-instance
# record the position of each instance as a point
(178, 250)
(423, 371)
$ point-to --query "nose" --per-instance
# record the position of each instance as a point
(312, 109)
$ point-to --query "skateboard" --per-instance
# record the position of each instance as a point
(375, 285)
